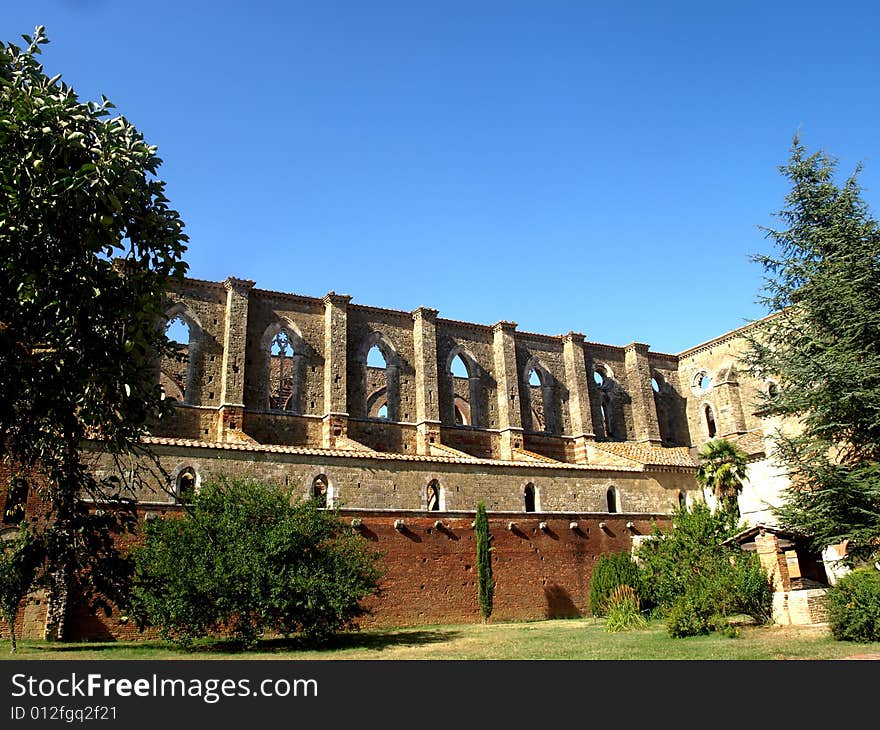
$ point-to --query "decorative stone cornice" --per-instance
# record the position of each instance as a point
(425, 313)
(504, 326)
(332, 297)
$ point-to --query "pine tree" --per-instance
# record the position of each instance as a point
(485, 582)
(822, 349)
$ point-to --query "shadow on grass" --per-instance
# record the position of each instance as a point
(353, 640)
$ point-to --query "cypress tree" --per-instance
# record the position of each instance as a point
(485, 582)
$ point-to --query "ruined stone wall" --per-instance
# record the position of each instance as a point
(729, 390)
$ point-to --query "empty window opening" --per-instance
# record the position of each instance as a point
(319, 490)
(175, 373)
(682, 500)
(433, 496)
(178, 331)
(655, 385)
(375, 358)
(459, 417)
(458, 367)
(534, 378)
(605, 407)
(186, 485)
(529, 498)
(284, 375)
(600, 376)
(710, 421)
(704, 382)
(611, 499)
(382, 412)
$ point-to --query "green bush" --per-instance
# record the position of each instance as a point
(692, 578)
(244, 560)
(854, 606)
(612, 570)
(623, 610)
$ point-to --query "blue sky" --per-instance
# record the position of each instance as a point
(597, 167)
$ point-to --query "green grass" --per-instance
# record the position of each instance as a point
(557, 639)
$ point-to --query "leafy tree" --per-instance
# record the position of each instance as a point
(722, 468)
(245, 560)
(20, 562)
(87, 243)
(854, 606)
(611, 571)
(485, 581)
(692, 578)
(822, 348)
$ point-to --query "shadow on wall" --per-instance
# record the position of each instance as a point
(559, 603)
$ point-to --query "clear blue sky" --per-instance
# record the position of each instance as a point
(601, 167)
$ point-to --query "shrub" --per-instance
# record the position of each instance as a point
(854, 606)
(612, 570)
(623, 610)
(692, 578)
(244, 560)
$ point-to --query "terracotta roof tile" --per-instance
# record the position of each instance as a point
(349, 454)
(647, 454)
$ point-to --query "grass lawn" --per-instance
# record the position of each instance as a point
(584, 638)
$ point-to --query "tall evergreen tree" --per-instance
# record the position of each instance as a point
(822, 349)
(485, 581)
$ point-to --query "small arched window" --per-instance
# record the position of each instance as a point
(710, 421)
(529, 498)
(319, 491)
(682, 500)
(185, 488)
(433, 496)
(611, 499)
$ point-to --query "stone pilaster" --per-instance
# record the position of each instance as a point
(229, 420)
(426, 379)
(509, 415)
(579, 407)
(644, 408)
(730, 417)
(335, 366)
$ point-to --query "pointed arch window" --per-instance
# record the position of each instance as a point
(607, 422)
(463, 389)
(709, 414)
(177, 375)
(186, 485)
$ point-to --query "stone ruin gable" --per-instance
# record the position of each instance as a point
(611, 360)
(732, 393)
(303, 318)
(392, 332)
(670, 401)
(544, 407)
(386, 481)
(476, 344)
(202, 306)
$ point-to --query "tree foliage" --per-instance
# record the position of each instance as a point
(695, 580)
(485, 581)
(244, 560)
(20, 563)
(87, 243)
(611, 571)
(854, 606)
(822, 349)
(723, 466)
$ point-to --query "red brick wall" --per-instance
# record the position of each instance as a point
(431, 573)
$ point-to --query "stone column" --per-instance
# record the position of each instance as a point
(427, 395)
(335, 365)
(638, 379)
(231, 415)
(729, 416)
(509, 415)
(579, 407)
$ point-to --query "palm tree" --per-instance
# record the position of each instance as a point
(723, 466)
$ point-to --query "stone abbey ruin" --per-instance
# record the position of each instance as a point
(405, 420)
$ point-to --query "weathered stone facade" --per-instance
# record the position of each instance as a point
(544, 429)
